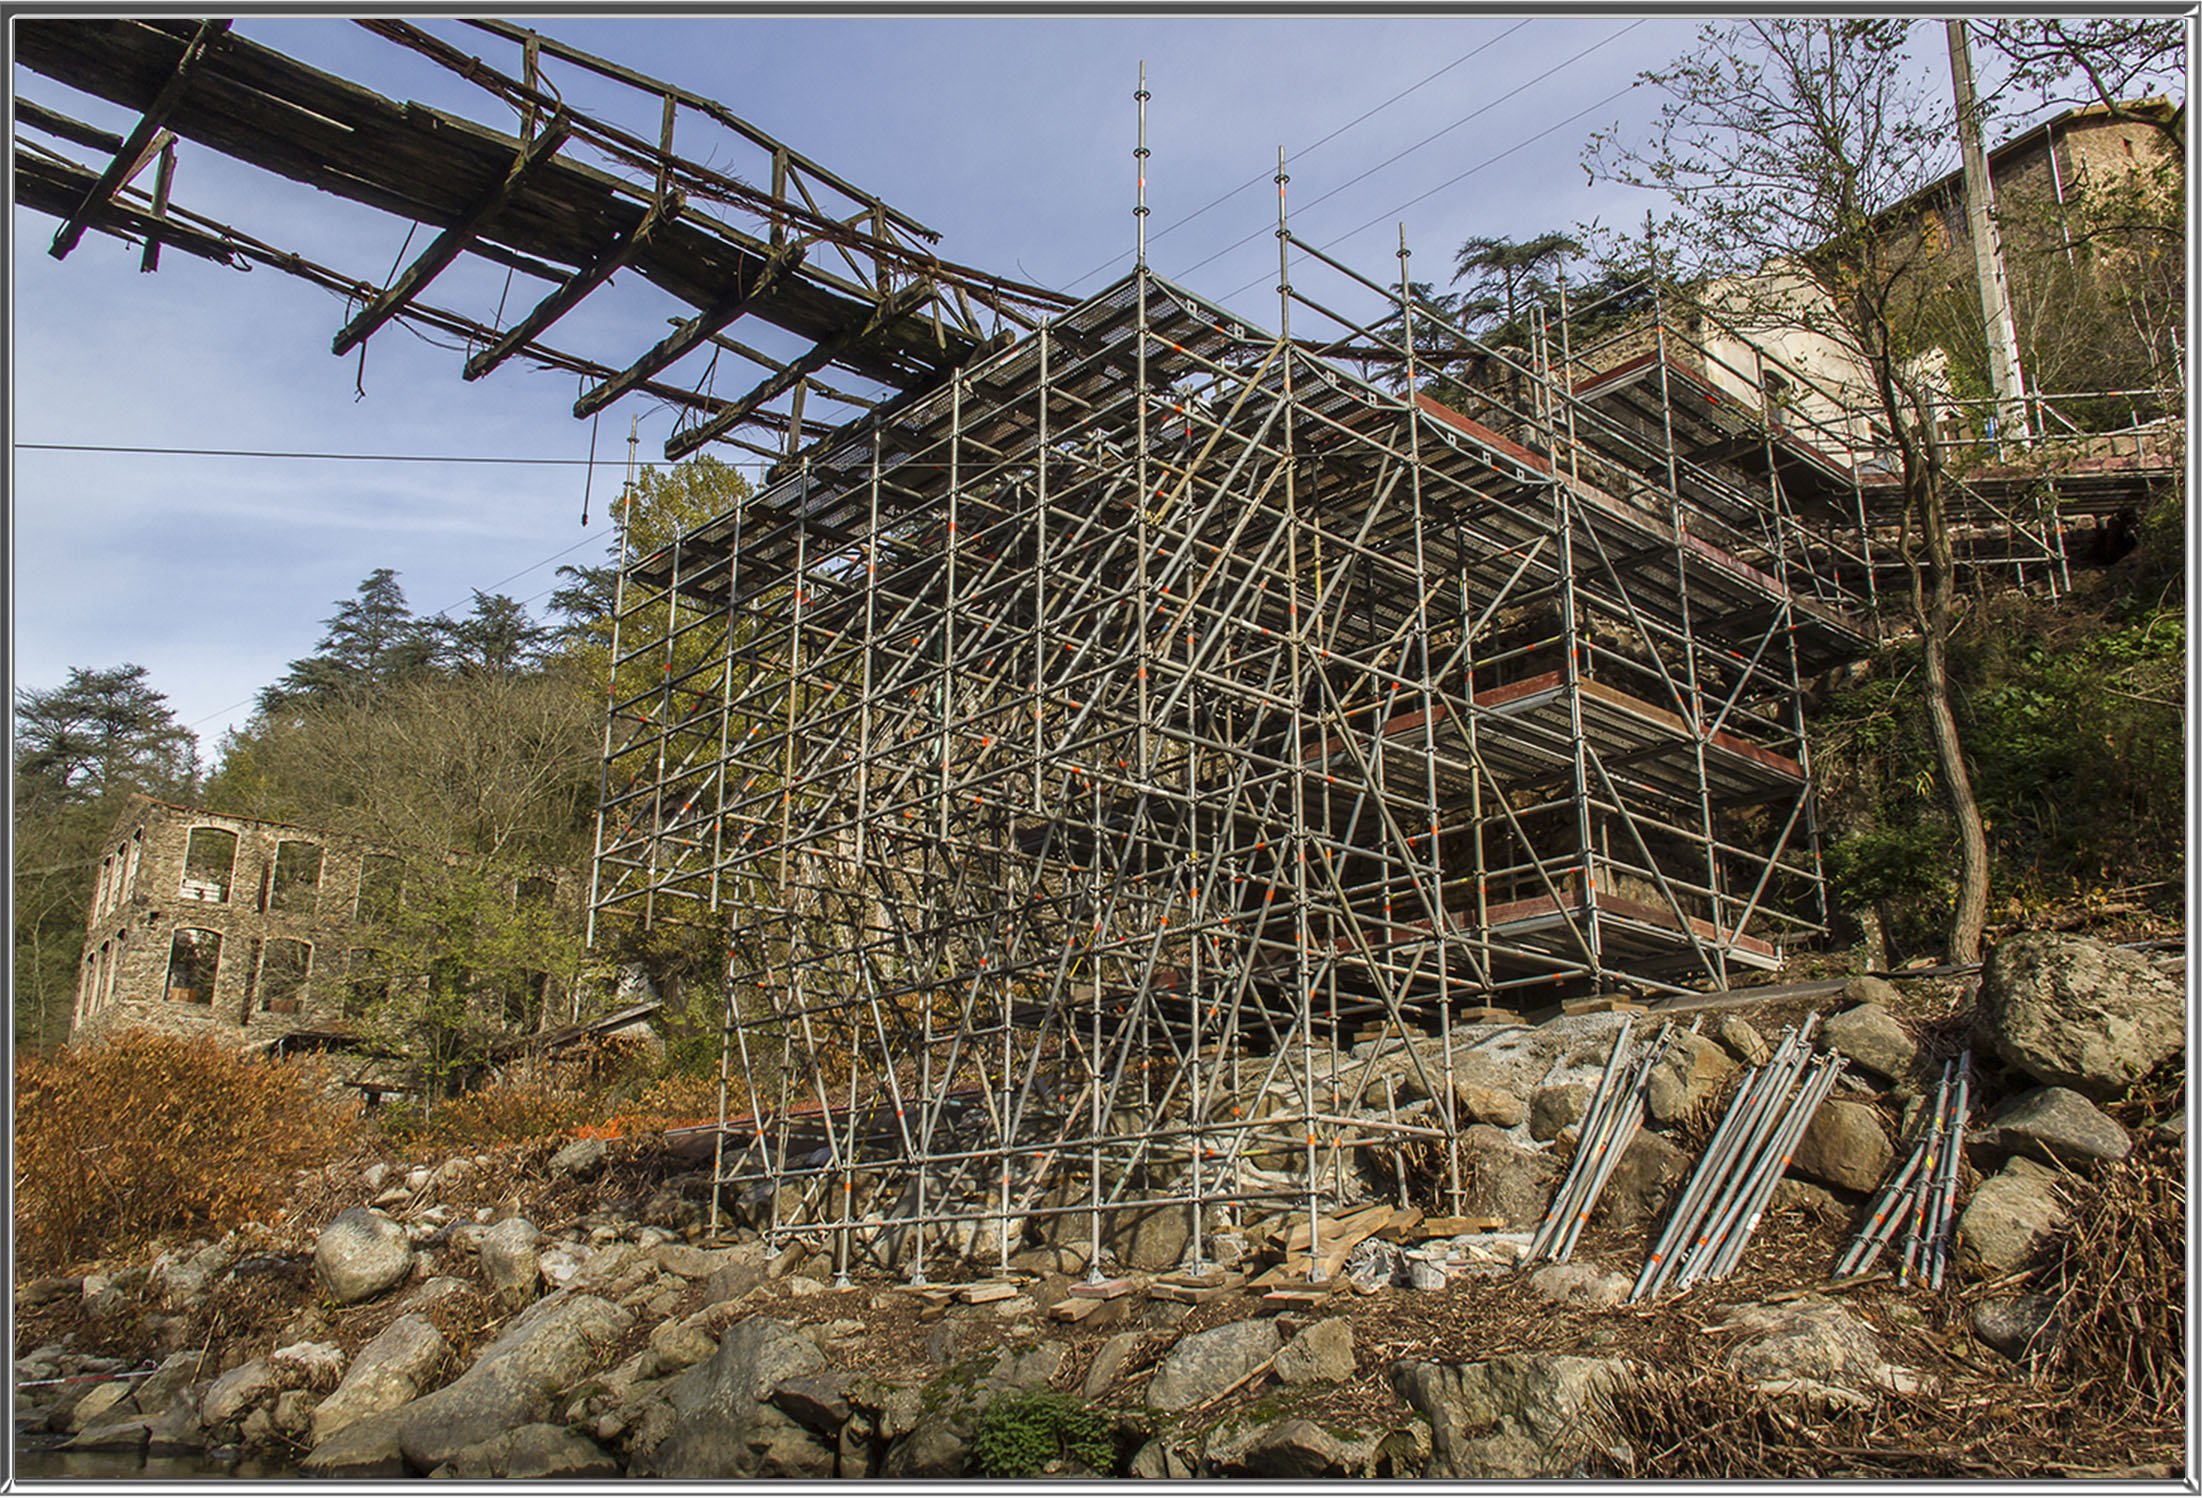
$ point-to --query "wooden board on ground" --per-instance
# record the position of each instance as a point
(1595, 1005)
(1405, 1222)
(1481, 1015)
(1164, 1291)
(1446, 1228)
(987, 1291)
(1202, 1278)
(1102, 1291)
(1309, 1294)
(1075, 1309)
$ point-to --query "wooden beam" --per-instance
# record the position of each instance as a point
(446, 247)
(691, 333)
(54, 123)
(163, 180)
(681, 444)
(569, 294)
(139, 145)
(892, 410)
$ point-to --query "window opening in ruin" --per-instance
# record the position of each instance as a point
(367, 983)
(194, 959)
(130, 875)
(284, 965)
(209, 859)
(296, 876)
(106, 894)
(114, 968)
(381, 885)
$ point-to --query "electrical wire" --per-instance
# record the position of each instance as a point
(1480, 110)
(1261, 177)
(383, 458)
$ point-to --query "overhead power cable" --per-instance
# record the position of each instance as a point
(1261, 177)
(1480, 110)
(357, 458)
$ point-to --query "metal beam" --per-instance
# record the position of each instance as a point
(140, 144)
(577, 286)
(692, 333)
(681, 444)
(446, 247)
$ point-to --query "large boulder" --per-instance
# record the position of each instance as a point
(1580, 1284)
(1294, 1448)
(1643, 1182)
(2059, 1127)
(1873, 1039)
(540, 1450)
(1521, 1416)
(1743, 1042)
(362, 1254)
(2015, 1326)
(2010, 1218)
(1812, 1347)
(1203, 1365)
(1321, 1351)
(394, 1367)
(724, 1425)
(511, 1262)
(1555, 1107)
(1504, 1181)
(2078, 1013)
(1687, 1078)
(1844, 1147)
(367, 1448)
(540, 1354)
(233, 1391)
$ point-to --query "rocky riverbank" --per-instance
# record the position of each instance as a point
(554, 1311)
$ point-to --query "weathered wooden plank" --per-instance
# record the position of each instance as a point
(568, 296)
(62, 127)
(449, 245)
(692, 333)
(139, 143)
(820, 355)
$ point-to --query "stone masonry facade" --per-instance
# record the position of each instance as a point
(206, 924)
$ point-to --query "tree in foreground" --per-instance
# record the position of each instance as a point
(1783, 145)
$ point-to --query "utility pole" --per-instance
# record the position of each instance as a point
(2004, 375)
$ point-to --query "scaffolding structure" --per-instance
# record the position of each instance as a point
(1088, 752)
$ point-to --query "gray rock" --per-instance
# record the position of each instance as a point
(677, 1343)
(363, 1449)
(1152, 1239)
(818, 1401)
(580, 1160)
(1643, 1182)
(166, 1385)
(1321, 1351)
(430, 1292)
(1026, 1369)
(937, 1448)
(1294, 1448)
(1580, 1284)
(1553, 1108)
(1687, 1077)
(1811, 1200)
(2079, 1013)
(1203, 1364)
(1108, 1363)
(2014, 1325)
(308, 1366)
(685, 1261)
(394, 1367)
(1489, 1105)
(361, 1254)
(118, 1431)
(103, 1401)
(2058, 1126)
(234, 1390)
(48, 1289)
(1743, 1042)
(539, 1450)
(1844, 1147)
(1868, 989)
(1521, 1416)
(723, 1425)
(1811, 1346)
(1873, 1039)
(512, 1266)
(2011, 1216)
(540, 1354)
(293, 1412)
(1504, 1181)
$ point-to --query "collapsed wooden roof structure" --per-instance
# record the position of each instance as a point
(556, 194)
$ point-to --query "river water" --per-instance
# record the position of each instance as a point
(53, 1463)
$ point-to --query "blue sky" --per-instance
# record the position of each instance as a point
(1010, 136)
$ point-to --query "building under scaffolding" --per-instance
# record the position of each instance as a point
(1087, 752)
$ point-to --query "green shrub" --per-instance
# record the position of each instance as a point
(1020, 1434)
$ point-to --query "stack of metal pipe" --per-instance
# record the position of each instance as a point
(1735, 1178)
(1921, 1197)
(1616, 1113)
